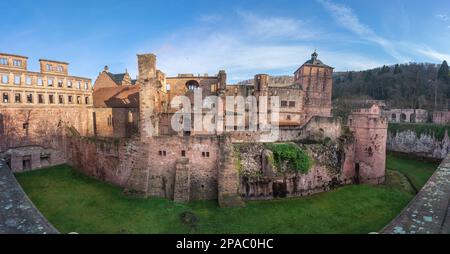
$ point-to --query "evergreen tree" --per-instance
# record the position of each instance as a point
(397, 69)
(443, 73)
(350, 76)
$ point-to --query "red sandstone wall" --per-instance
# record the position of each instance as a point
(41, 126)
(115, 161)
(370, 132)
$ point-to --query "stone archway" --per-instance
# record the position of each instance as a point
(412, 118)
(394, 117)
(402, 117)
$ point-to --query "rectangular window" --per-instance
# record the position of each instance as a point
(283, 103)
(78, 99)
(40, 82)
(292, 104)
(288, 117)
(5, 78)
(40, 98)
(162, 153)
(86, 100)
(61, 99)
(28, 80)
(51, 99)
(60, 83)
(205, 154)
(18, 98)
(49, 67)
(69, 83)
(86, 86)
(50, 82)
(17, 79)
(167, 87)
(5, 98)
(3, 61)
(78, 84)
(60, 68)
(183, 153)
(17, 63)
(30, 98)
(69, 99)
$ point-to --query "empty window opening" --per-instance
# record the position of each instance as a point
(192, 85)
(26, 163)
(29, 98)
(5, 97)
(18, 98)
(40, 98)
(183, 153)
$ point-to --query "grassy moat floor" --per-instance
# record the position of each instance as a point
(73, 202)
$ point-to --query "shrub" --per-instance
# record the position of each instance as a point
(298, 160)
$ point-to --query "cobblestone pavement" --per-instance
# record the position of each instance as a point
(18, 215)
(429, 211)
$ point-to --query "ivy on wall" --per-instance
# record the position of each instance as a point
(436, 130)
(296, 158)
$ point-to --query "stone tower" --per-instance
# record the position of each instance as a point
(222, 77)
(149, 96)
(369, 129)
(316, 80)
(261, 85)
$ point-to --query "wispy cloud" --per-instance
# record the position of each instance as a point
(443, 17)
(277, 27)
(250, 46)
(210, 18)
(431, 53)
(349, 20)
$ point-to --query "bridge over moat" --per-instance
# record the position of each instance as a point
(429, 211)
(18, 215)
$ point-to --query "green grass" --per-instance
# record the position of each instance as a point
(416, 170)
(76, 203)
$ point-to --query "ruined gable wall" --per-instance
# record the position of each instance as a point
(116, 122)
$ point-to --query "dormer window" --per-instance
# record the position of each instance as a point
(17, 63)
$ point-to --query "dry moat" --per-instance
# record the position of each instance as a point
(73, 202)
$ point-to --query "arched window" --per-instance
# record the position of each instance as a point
(394, 117)
(402, 117)
(192, 85)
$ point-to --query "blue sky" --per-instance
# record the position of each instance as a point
(242, 37)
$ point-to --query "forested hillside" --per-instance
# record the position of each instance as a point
(413, 85)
